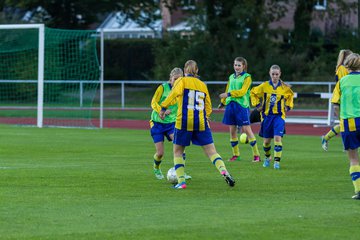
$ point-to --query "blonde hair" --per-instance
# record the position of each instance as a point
(176, 71)
(275, 67)
(243, 61)
(352, 62)
(191, 68)
(342, 56)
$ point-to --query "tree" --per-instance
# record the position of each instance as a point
(225, 29)
(79, 14)
(305, 13)
(302, 20)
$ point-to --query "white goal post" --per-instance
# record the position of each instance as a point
(41, 57)
(40, 72)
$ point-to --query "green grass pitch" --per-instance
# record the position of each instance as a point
(98, 184)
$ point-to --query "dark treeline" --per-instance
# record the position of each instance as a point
(221, 31)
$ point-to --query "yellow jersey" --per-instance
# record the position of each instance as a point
(341, 71)
(274, 99)
(194, 103)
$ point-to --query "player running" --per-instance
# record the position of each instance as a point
(346, 95)
(194, 109)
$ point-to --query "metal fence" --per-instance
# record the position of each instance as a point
(129, 94)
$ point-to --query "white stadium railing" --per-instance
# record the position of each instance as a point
(122, 85)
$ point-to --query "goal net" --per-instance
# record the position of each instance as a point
(48, 77)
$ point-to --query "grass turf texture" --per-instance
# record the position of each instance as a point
(98, 184)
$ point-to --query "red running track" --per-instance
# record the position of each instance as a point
(291, 128)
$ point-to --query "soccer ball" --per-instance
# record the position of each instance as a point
(243, 138)
(171, 175)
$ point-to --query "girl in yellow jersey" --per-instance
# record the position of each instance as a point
(194, 109)
(236, 98)
(346, 94)
(161, 128)
(273, 98)
(340, 72)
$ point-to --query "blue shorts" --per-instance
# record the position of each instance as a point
(235, 114)
(200, 138)
(351, 140)
(159, 130)
(272, 125)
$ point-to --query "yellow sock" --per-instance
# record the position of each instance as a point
(355, 176)
(179, 164)
(157, 161)
(254, 146)
(267, 149)
(218, 162)
(235, 146)
(332, 133)
(277, 151)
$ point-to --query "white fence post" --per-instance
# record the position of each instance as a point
(81, 92)
(122, 95)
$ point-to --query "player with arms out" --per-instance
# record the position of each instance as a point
(236, 98)
(273, 98)
(340, 71)
(194, 109)
(161, 128)
(346, 95)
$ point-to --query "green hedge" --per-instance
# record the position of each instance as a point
(128, 59)
(149, 59)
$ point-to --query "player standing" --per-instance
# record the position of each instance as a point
(236, 98)
(273, 98)
(161, 128)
